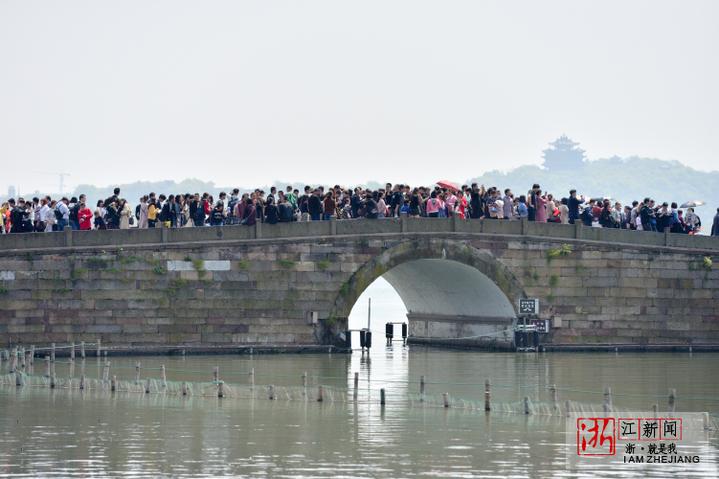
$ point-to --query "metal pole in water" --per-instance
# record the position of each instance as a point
(220, 389)
(445, 399)
(421, 388)
(82, 349)
(304, 380)
(271, 392)
(164, 377)
(369, 313)
(607, 399)
(526, 404)
(184, 388)
(252, 378)
(382, 397)
(320, 394)
(52, 352)
(47, 364)
(553, 392)
(137, 373)
(672, 400)
(216, 374)
(72, 352)
(99, 346)
(356, 385)
(487, 396)
(147, 386)
(113, 384)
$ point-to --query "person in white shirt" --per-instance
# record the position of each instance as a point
(64, 219)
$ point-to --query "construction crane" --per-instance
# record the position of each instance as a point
(61, 177)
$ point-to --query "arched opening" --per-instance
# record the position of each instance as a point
(453, 293)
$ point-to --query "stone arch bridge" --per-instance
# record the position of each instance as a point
(295, 284)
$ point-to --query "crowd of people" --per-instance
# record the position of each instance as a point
(320, 204)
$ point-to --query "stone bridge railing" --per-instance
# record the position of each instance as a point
(136, 237)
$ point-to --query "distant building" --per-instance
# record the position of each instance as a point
(11, 191)
(564, 154)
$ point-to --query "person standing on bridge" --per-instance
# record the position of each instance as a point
(573, 206)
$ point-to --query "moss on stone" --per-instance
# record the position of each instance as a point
(286, 263)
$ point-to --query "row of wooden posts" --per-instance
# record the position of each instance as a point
(27, 356)
(20, 358)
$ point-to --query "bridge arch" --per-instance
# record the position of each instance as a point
(451, 290)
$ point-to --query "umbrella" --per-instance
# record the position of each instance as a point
(692, 204)
(450, 185)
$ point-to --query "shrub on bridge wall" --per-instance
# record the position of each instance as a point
(286, 263)
(564, 250)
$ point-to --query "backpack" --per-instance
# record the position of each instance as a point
(58, 214)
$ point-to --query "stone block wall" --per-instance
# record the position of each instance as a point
(230, 288)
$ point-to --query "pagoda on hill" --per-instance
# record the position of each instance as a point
(563, 154)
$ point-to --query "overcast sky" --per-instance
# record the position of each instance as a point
(246, 92)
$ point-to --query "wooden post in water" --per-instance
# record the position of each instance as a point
(320, 394)
(220, 389)
(355, 391)
(22, 358)
(526, 405)
(553, 394)
(607, 400)
(72, 352)
(304, 380)
(147, 386)
(47, 365)
(271, 392)
(18, 379)
(32, 355)
(52, 352)
(487, 396)
(13, 360)
(183, 388)
(113, 384)
(252, 378)
(421, 388)
(99, 346)
(82, 349)
(382, 397)
(445, 399)
(52, 380)
(216, 374)
(137, 373)
(672, 400)
(164, 377)
(567, 408)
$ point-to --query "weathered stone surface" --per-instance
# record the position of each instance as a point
(619, 287)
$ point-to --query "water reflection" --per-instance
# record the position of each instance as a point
(80, 433)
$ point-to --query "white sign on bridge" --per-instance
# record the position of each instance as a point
(528, 306)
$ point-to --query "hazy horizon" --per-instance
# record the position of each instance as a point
(247, 93)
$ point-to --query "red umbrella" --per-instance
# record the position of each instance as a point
(450, 185)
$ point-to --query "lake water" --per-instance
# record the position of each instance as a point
(46, 433)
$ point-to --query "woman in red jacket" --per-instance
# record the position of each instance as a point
(84, 217)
